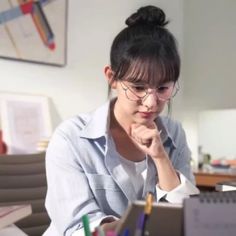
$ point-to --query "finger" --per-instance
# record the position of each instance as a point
(142, 141)
(143, 138)
(147, 142)
(138, 130)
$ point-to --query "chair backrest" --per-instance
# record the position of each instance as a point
(23, 180)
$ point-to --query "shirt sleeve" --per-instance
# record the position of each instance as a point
(184, 190)
(180, 158)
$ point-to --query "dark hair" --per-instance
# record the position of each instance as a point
(145, 50)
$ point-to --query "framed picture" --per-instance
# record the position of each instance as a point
(34, 31)
(25, 121)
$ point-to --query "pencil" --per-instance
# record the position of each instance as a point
(140, 225)
(148, 205)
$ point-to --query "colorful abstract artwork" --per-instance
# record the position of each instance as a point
(34, 30)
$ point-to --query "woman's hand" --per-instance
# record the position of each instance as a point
(147, 139)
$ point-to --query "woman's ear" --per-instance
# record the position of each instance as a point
(110, 76)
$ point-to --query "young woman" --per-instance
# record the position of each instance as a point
(100, 161)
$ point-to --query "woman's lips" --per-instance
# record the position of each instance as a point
(146, 114)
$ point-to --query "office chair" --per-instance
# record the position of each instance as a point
(23, 181)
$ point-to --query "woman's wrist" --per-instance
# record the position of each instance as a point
(161, 156)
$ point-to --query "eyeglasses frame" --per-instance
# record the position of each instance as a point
(126, 87)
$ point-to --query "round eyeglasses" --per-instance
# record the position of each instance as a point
(137, 92)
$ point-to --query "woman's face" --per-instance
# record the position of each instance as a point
(137, 103)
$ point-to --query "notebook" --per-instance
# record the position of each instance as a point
(210, 214)
(166, 219)
(11, 214)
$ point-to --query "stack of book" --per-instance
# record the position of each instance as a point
(11, 214)
(229, 185)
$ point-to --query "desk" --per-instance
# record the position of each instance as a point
(207, 180)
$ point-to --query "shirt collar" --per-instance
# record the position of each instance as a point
(99, 122)
(98, 125)
(165, 133)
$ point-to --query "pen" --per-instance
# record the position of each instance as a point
(140, 225)
(85, 221)
(147, 210)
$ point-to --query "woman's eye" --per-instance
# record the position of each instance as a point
(139, 88)
(162, 89)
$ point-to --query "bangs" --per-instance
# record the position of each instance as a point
(149, 71)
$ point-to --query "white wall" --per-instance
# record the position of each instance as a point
(215, 133)
(80, 86)
(205, 30)
(209, 60)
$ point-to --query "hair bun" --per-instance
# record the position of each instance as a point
(148, 15)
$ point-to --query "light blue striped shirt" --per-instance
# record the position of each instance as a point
(85, 174)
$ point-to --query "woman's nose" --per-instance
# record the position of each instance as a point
(151, 99)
